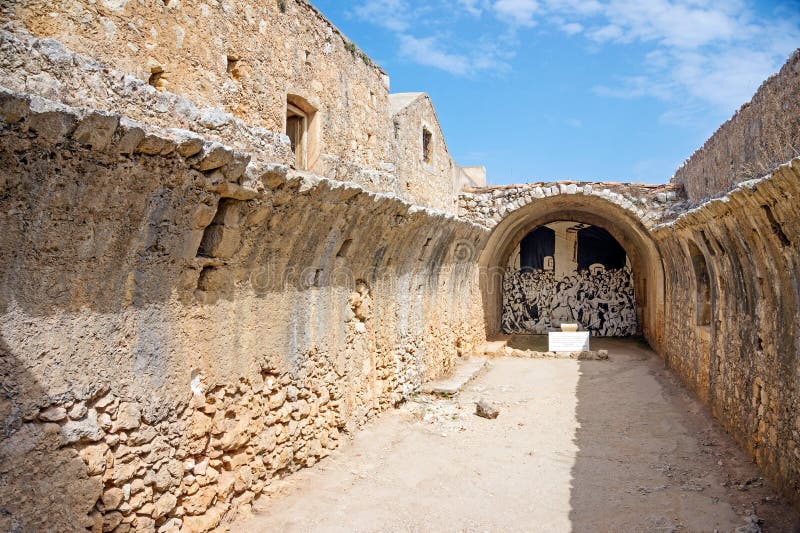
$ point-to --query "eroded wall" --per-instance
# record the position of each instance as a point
(763, 133)
(743, 360)
(179, 329)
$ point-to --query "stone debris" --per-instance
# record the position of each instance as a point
(753, 525)
(596, 355)
(485, 409)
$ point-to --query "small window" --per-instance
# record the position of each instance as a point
(427, 145)
(702, 285)
(302, 128)
(297, 129)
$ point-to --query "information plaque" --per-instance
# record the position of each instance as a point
(560, 341)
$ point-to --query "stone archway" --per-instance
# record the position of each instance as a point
(621, 223)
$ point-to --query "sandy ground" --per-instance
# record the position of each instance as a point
(614, 445)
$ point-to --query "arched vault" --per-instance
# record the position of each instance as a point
(622, 223)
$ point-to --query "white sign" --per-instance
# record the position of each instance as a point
(577, 341)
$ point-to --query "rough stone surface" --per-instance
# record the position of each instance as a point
(579, 446)
(116, 271)
(225, 72)
(762, 134)
(485, 409)
(650, 204)
(743, 362)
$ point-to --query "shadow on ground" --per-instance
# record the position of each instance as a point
(654, 458)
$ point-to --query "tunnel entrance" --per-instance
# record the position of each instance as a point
(569, 272)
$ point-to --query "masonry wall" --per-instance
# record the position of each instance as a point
(177, 330)
(435, 180)
(763, 133)
(241, 57)
(745, 363)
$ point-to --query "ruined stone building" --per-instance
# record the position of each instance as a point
(226, 245)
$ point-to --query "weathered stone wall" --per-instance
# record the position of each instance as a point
(46, 68)
(650, 204)
(763, 133)
(243, 57)
(178, 327)
(433, 182)
(745, 362)
(228, 71)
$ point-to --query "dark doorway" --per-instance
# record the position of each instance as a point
(596, 245)
(537, 245)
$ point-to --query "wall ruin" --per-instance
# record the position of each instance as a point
(762, 134)
(421, 164)
(179, 329)
(744, 362)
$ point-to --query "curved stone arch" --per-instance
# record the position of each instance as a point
(630, 232)
(648, 204)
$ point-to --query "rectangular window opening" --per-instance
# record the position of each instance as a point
(296, 130)
(427, 145)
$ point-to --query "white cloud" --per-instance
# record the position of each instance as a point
(390, 14)
(680, 23)
(711, 51)
(473, 7)
(609, 32)
(572, 28)
(429, 51)
(516, 12)
(714, 52)
(635, 87)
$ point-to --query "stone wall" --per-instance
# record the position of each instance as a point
(650, 204)
(732, 323)
(179, 327)
(225, 71)
(424, 181)
(763, 133)
(243, 57)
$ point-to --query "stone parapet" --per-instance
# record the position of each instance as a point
(651, 204)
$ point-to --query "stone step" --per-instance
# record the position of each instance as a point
(461, 375)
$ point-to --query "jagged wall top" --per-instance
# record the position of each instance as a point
(762, 134)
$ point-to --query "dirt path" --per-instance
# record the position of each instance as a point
(579, 446)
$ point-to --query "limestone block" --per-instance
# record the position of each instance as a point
(164, 504)
(128, 417)
(237, 192)
(13, 108)
(53, 414)
(51, 125)
(235, 169)
(188, 143)
(153, 144)
(112, 498)
(220, 241)
(96, 129)
(82, 430)
(214, 155)
(130, 135)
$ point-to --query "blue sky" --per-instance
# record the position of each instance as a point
(621, 90)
